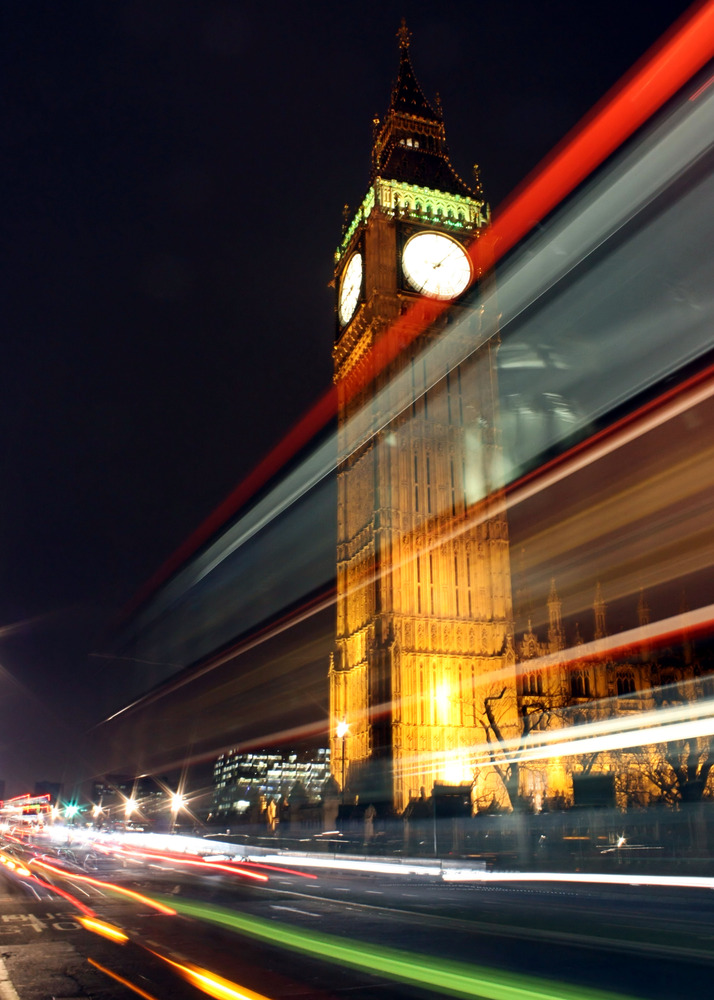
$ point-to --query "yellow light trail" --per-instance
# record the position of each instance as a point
(103, 929)
(210, 983)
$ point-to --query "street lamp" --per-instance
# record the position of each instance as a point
(342, 730)
(177, 803)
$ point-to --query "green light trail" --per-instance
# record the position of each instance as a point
(442, 975)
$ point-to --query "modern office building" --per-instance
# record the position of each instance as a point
(243, 779)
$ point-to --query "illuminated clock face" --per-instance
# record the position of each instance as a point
(436, 265)
(350, 287)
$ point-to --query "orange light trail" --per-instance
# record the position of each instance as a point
(103, 929)
(208, 982)
(120, 979)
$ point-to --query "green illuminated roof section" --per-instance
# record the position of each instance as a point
(362, 214)
(419, 204)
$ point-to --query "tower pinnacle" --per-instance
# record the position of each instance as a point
(404, 35)
(556, 636)
(410, 142)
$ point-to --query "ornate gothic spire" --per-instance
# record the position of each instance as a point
(556, 636)
(410, 143)
(407, 96)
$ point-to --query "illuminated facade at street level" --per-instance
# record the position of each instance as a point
(424, 645)
(240, 779)
(575, 690)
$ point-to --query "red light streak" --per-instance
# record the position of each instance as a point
(666, 68)
(660, 73)
(86, 910)
(653, 413)
(105, 885)
(189, 860)
(704, 86)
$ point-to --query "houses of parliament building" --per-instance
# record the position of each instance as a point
(429, 681)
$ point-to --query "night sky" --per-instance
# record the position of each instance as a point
(174, 176)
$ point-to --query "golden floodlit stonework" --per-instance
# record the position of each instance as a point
(424, 662)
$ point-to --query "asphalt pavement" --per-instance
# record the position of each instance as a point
(346, 927)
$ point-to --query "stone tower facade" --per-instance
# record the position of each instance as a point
(423, 670)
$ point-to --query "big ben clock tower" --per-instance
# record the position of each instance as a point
(423, 655)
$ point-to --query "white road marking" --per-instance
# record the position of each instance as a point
(7, 990)
(374, 892)
(78, 888)
(294, 909)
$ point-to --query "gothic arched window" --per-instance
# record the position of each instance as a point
(625, 684)
(578, 687)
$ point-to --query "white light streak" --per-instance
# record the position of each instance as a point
(579, 878)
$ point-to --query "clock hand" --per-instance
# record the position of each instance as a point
(443, 259)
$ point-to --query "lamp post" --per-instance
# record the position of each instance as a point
(342, 730)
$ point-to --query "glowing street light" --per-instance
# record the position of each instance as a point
(130, 807)
(178, 801)
(97, 811)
